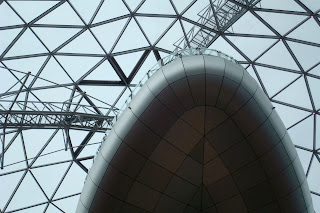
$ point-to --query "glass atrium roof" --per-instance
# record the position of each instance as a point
(67, 68)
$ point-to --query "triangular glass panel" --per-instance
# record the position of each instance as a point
(84, 43)
(296, 94)
(314, 85)
(308, 31)
(104, 35)
(302, 133)
(146, 66)
(304, 157)
(15, 152)
(50, 176)
(77, 66)
(132, 31)
(249, 24)
(111, 9)
(77, 137)
(196, 10)
(54, 150)
(307, 55)
(222, 45)
(314, 176)
(173, 35)
(282, 23)
(20, 199)
(34, 8)
(181, 5)
(68, 204)
(156, 7)
(63, 15)
(7, 37)
(259, 44)
(27, 44)
(34, 146)
(154, 27)
(284, 5)
(103, 72)
(128, 61)
(72, 183)
(92, 147)
(274, 80)
(11, 16)
(26, 65)
(54, 73)
(8, 184)
(279, 56)
(84, 9)
(290, 115)
(53, 37)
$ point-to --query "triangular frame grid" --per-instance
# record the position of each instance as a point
(66, 70)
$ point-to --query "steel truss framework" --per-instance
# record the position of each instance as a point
(52, 126)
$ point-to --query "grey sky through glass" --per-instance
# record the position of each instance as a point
(96, 52)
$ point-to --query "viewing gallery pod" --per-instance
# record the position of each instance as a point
(199, 136)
